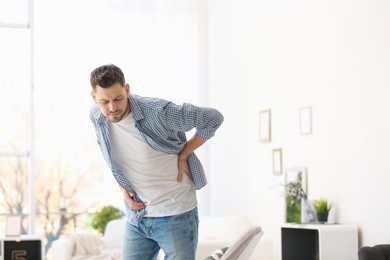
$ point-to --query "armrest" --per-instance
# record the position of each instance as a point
(207, 247)
(62, 249)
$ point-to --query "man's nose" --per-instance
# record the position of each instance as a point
(111, 106)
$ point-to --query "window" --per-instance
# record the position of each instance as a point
(15, 72)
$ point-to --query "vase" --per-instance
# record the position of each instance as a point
(322, 217)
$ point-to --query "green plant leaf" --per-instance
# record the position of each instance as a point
(103, 216)
(322, 206)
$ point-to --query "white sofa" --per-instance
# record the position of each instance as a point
(214, 233)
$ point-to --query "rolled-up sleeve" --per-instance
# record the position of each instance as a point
(185, 117)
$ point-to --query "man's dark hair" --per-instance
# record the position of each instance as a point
(107, 75)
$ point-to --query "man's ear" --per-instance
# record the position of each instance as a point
(127, 89)
(93, 94)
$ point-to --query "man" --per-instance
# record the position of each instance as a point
(143, 142)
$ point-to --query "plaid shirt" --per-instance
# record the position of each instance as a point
(162, 124)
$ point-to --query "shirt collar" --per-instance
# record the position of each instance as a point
(97, 114)
(135, 108)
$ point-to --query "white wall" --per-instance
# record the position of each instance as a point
(284, 55)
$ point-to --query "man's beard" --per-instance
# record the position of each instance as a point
(121, 115)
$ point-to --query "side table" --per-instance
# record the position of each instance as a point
(328, 241)
(25, 247)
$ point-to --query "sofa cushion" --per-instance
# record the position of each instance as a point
(113, 234)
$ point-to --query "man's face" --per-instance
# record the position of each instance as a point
(112, 101)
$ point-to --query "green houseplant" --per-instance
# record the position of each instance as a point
(322, 207)
(103, 216)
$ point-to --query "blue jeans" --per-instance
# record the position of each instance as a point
(176, 235)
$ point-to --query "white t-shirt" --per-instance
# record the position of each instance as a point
(153, 174)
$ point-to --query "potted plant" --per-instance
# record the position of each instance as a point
(322, 207)
(103, 216)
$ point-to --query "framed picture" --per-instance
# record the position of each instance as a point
(14, 226)
(305, 120)
(296, 192)
(277, 161)
(265, 126)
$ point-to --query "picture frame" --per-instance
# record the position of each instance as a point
(265, 126)
(305, 115)
(294, 174)
(277, 161)
(297, 208)
(13, 226)
(295, 184)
